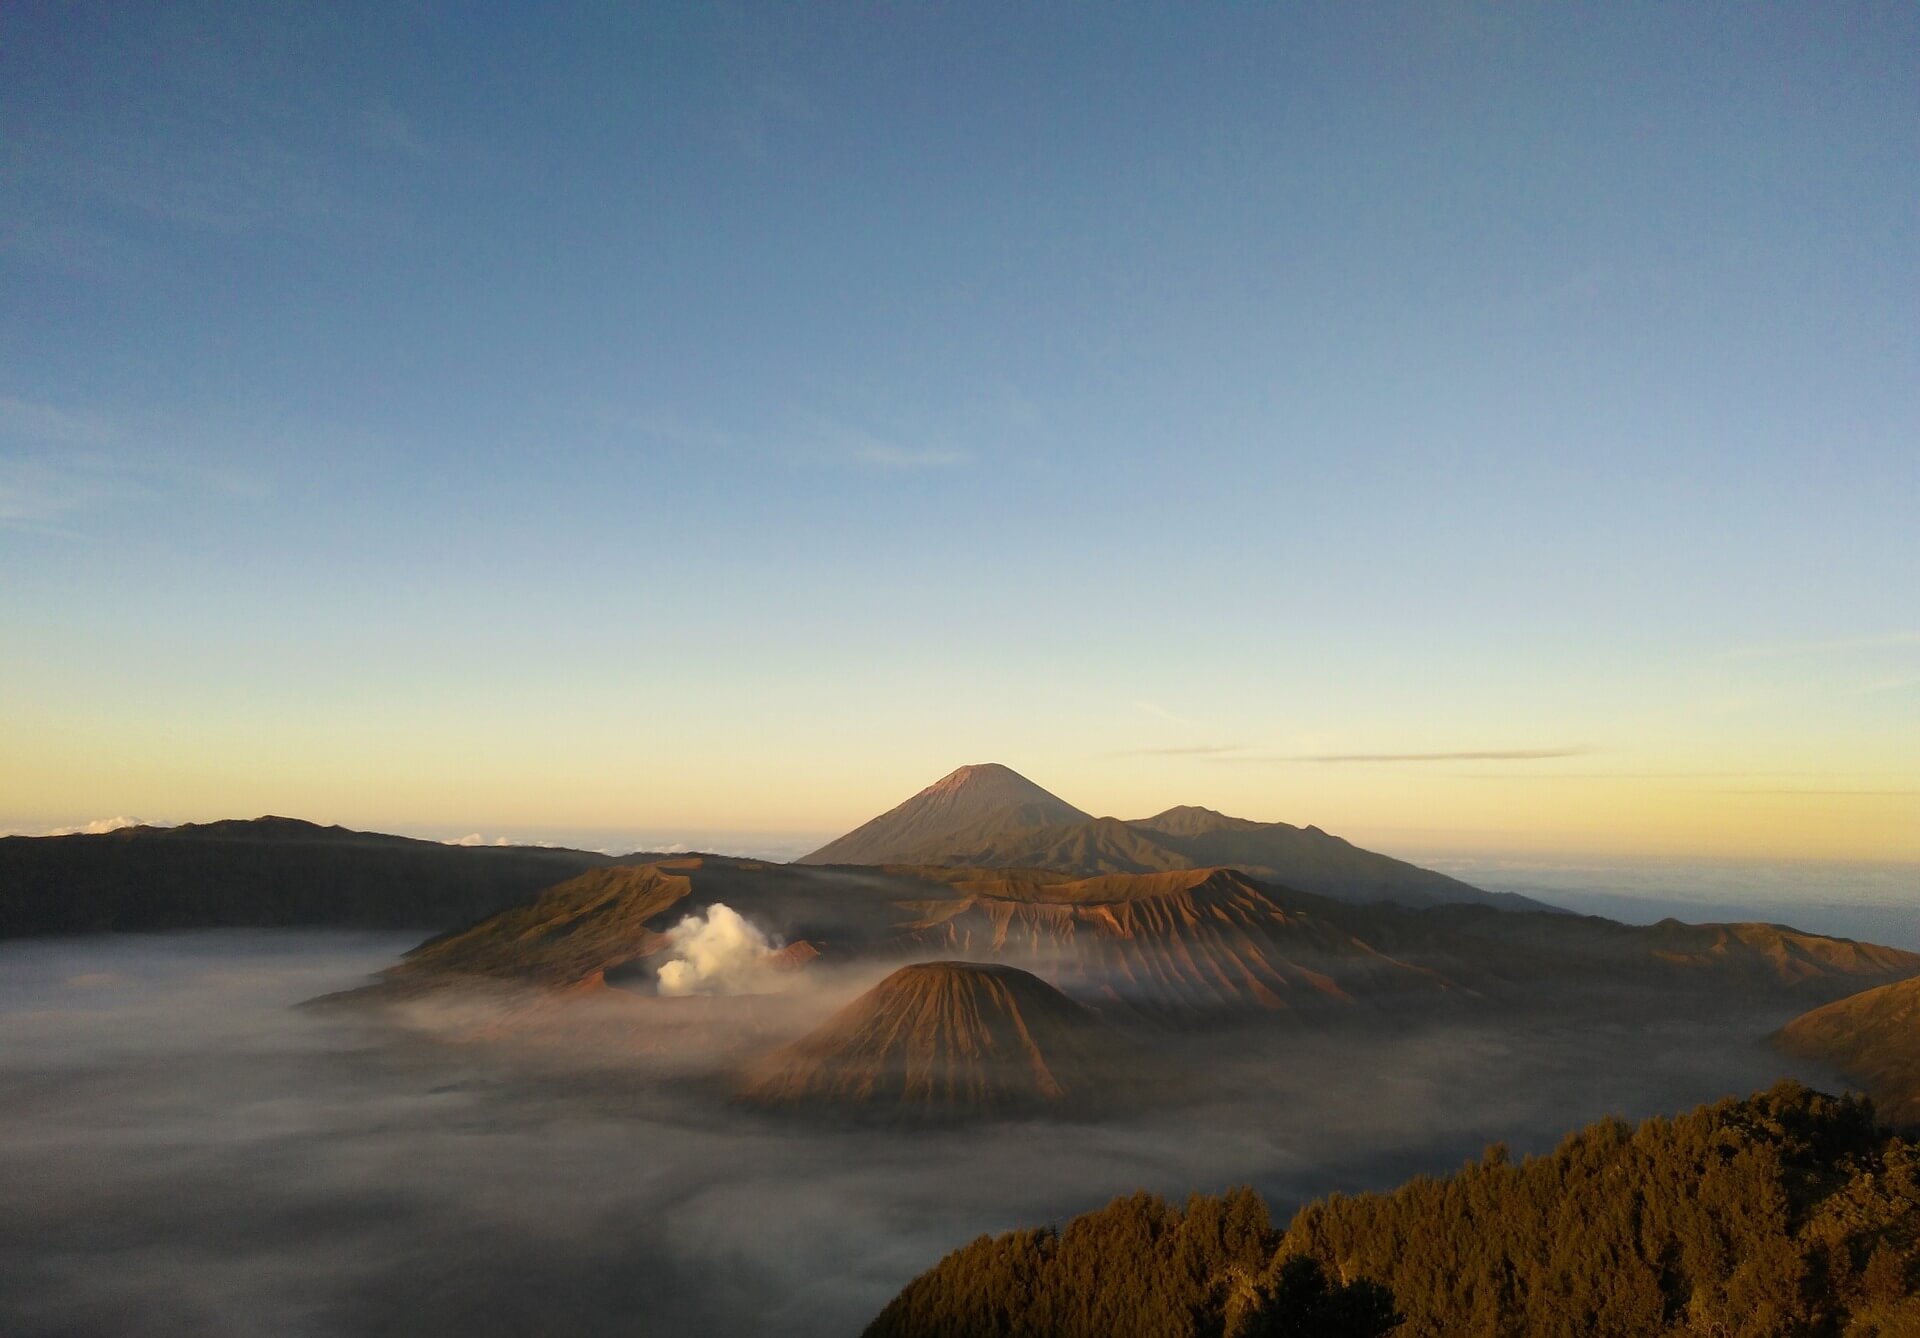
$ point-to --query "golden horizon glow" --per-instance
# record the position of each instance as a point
(1808, 753)
(1824, 815)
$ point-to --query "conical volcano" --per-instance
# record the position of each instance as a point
(946, 1040)
(975, 803)
(991, 817)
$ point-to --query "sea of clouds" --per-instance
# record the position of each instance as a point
(186, 1152)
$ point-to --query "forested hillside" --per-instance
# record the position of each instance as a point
(1785, 1213)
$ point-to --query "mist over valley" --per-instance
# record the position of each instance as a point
(189, 1152)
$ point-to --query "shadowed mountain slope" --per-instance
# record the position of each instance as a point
(1874, 1039)
(1183, 944)
(991, 817)
(1311, 860)
(571, 933)
(984, 799)
(1746, 959)
(946, 1040)
(264, 872)
(608, 919)
(1188, 941)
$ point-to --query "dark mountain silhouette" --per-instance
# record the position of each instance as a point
(277, 871)
(1873, 1038)
(991, 817)
(267, 871)
(947, 1040)
(1506, 953)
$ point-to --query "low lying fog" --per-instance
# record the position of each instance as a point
(186, 1153)
(1872, 902)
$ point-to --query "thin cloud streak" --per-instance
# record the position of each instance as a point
(1788, 649)
(74, 467)
(662, 426)
(841, 443)
(1890, 685)
(1476, 755)
(387, 129)
(51, 423)
(887, 456)
(1194, 750)
(1653, 776)
(1861, 794)
(1603, 775)
(1154, 708)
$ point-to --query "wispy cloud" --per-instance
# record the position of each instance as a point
(53, 463)
(1829, 646)
(226, 191)
(886, 455)
(98, 827)
(386, 129)
(1794, 790)
(50, 424)
(58, 463)
(225, 182)
(1759, 782)
(834, 441)
(1604, 775)
(661, 425)
(1191, 750)
(41, 495)
(39, 235)
(1897, 683)
(1471, 755)
(479, 839)
(1154, 708)
(772, 104)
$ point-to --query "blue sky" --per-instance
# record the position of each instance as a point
(734, 417)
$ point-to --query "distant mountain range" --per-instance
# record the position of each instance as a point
(277, 871)
(989, 816)
(1033, 992)
(1176, 947)
(264, 872)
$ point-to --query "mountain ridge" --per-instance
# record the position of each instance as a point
(989, 816)
(264, 872)
(1170, 947)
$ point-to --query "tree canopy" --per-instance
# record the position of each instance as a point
(1785, 1213)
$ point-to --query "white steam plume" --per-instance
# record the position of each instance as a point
(719, 953)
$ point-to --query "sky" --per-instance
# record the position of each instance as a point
(1459, 427)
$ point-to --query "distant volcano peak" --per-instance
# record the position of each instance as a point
(993, 777)
(988, 816)
(981, 795)
(976, 770)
